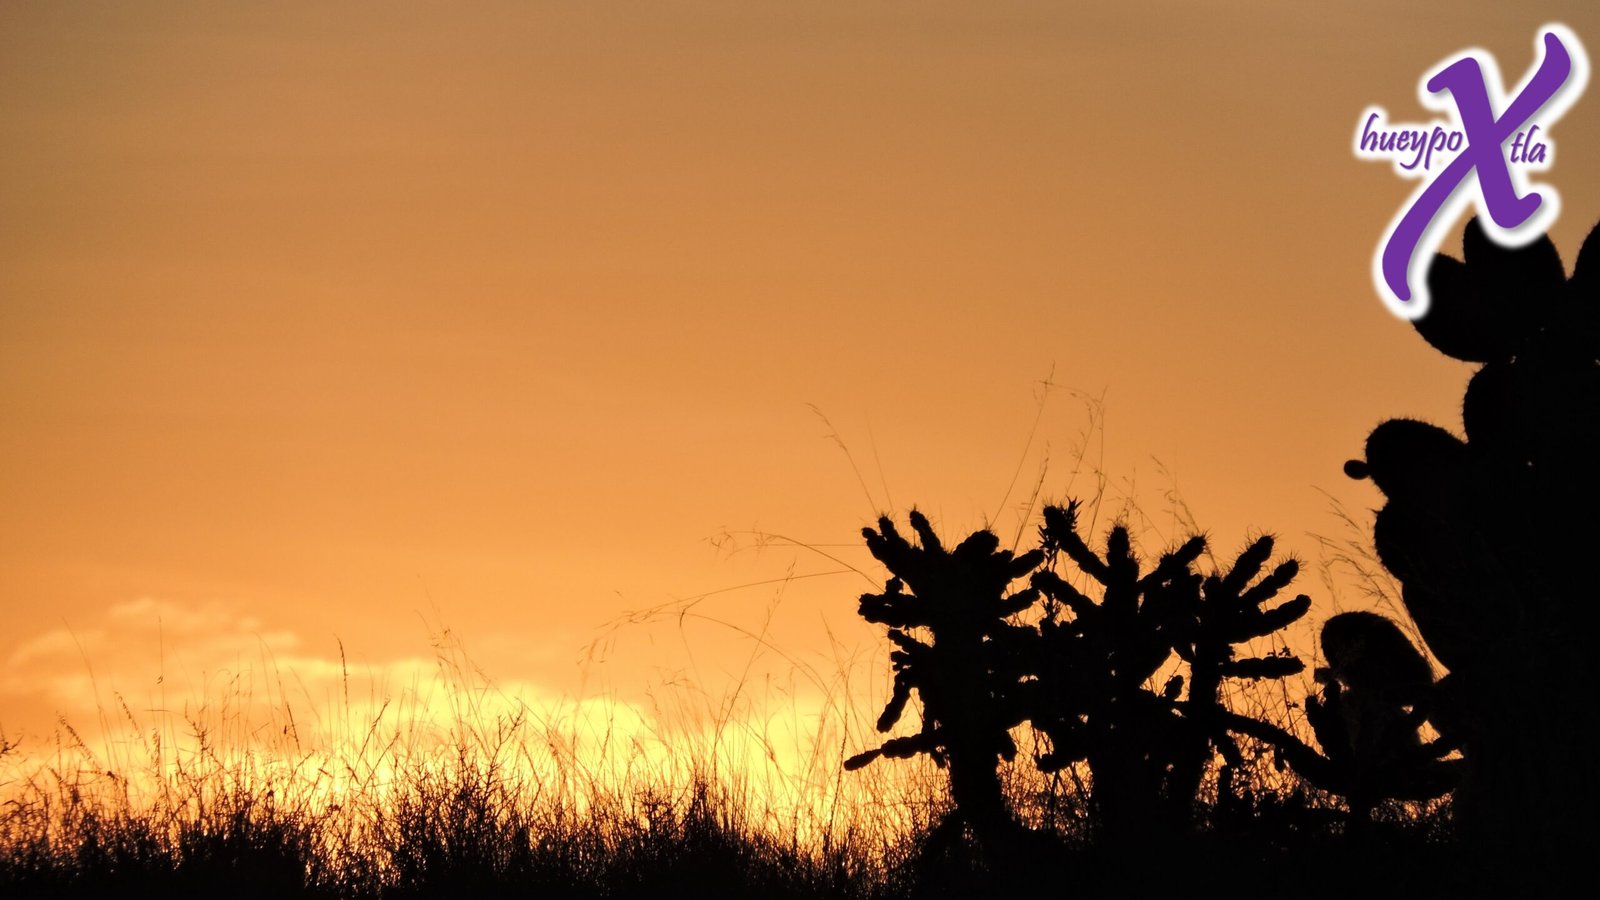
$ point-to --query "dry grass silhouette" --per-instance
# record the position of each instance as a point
(458, 787)
(230, 800)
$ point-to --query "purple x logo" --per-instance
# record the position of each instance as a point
(1484, 154)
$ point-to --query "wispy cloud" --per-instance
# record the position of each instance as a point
(147, 681)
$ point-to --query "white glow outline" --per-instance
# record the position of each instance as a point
(1550, 200)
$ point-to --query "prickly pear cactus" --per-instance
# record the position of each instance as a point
(1493, 537)
(1377, 691)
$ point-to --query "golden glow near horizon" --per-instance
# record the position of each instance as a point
(323, 325)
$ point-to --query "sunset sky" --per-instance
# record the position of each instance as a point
(341, 323)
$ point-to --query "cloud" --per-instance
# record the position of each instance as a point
(138, 644)
(150, 681)
(151, 664)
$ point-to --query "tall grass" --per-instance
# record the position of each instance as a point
(453, 786)
(450, 785)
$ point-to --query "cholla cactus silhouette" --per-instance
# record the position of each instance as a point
(1232, 608)
(1492, 537)
(1147, 750)
(967, 674)
(1377, 691)
(1094, 661)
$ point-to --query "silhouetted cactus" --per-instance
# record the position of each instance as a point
(1230, 609)
(1377, 690)
(967, 674)
(1084, 674)
(1493, 537)
(1147, 750)
(1095, 659)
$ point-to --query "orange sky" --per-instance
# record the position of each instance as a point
(338, 320)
